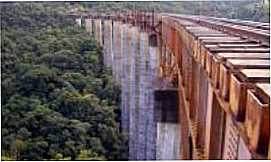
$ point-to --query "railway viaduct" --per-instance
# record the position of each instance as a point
(193, 87)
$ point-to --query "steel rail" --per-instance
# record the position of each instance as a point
(258, 25)
(248, 32)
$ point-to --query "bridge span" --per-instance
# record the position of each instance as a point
(193, 87)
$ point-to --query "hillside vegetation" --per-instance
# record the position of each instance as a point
(255, 10)
(58, 101)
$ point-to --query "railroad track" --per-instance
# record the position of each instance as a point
(259, 25)
(254, 31)
(255, 25)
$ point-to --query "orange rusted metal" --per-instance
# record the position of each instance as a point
(258, 118)
(216, 64)
(200, 50)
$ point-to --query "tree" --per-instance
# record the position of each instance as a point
(57, 99)
(17, 147)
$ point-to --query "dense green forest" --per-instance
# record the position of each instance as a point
(58, 100)
(255, 10)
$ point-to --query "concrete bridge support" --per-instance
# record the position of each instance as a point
(221, 78)
(132, 54)
(98, 31)
(134, 95)
(168, 128)
(89, 26)
(107, 48)
(125, 78)
(117, 42)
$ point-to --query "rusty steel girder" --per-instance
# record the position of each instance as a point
(200, 44)
(221, 68)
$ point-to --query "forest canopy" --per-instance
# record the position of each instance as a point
(58, 100)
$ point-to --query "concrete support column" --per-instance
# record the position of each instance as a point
(78, 21)
(107, 43)
(123, 47)
(168, 131)
(133, 88)
(98, 30)
(152, 74)
(117, 51)
(143, 117)
(88, 25)
(113, 50)
(125, 63)
(154, 54)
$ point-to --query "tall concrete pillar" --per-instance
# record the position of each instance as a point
(122, 48)
(143, 71)
(113, 67)
(125, 64)
(117, 50)
(78, 21)
(98, 30)
(107, 47)
(168, 132)
(152, 76)
(143, 97)
(88, 25)
(142, 124)
(154, 53)
(133, 112)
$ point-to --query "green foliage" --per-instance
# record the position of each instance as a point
(89, 155)
(58, 102)
(256, 10)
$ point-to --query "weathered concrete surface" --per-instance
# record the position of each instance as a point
(137, 76)
(134, 91)
(107, 48)
(125, 79)
(88, 24)
(168, 128)
(117, 41)
(78, 21)
(134, 63)
(168, 139)
(98, 30)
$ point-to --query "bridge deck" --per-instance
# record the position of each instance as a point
(221, 68)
